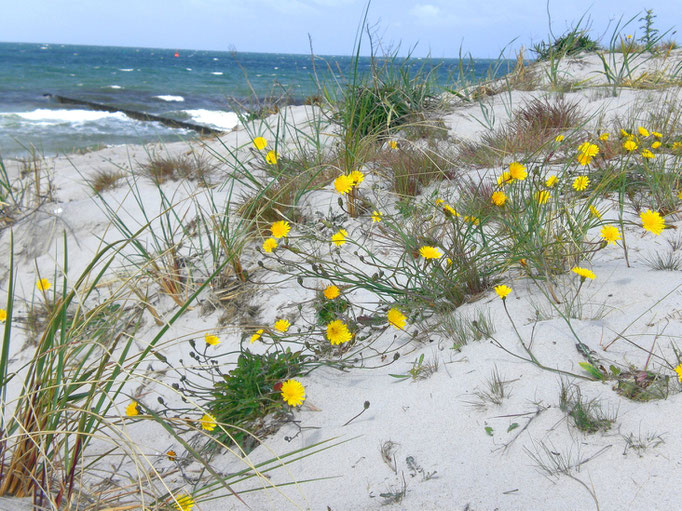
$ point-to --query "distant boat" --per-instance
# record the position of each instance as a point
(176, 54)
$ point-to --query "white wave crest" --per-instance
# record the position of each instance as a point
(215, 118)
(170, 98)
(115, 87)
(217, 73)
(127, 70)
(45, 116)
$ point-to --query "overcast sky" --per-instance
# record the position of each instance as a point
(480, 27)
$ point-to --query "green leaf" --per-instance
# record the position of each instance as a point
(489, 430)
(400, 376)
(596, 373)
(512, 426)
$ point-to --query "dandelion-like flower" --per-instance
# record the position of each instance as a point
(396, 318)
(647, 154)
(678, 370)
(505, 178)
(604, 137)
(184, 503)
(211, 340)
(656, 145)
(551, 181)
(450, 210)
(282, 325)
(393, 144)
(581, 183)
(629, 145)
(132, 410)
(542, 196)
(558, 138)
(624, 133)
(657, 134)
(338, 333)
(583, 272)
(502, 291)
(652, 221)
(428, 252)
(343, 184)
(271, 158)
(677, 146)
(280, 229)
(594, 212)
(293, 392)
(269, 245)
(472, 220)
(586, 152)
(339, 238)
(331, 292)
(376, 216)
(3, 315)
(439, 201)
(643, 131)
(498, 198)
(357, 177)
(517, 171)
(43, 285)
(610, 233)
(260, 143)
(256, 336)
(208, 422)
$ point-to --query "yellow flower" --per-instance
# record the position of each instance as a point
(269, 245)
(260, 143)
(211, 340)
(282, 325)
(393, 144)
(542, 196)
(679, 195)
(396, 318)
(624, 133)
(449, 209)
(550, 181)
(472, 220)
(331, 292)
(280, 229)
(580, 183)
(357, 177)
(678, 370)
(498, 198)
(184, 503)
(293, 392)
(677, 146)
(43, 285)
(647, 154)
(3, 315)
(132, 410)
(271, 158)
(604, 137)
(505, 178)
(338, 333)
(339, 238)
(583, 272)
(656, 145)
(376, 216)
(629, 145)
(657, 134)
(502, 291)
(517, 171)
(558, 138)
(343, 184)
(439, 201)
(643, 131)
(208, 422)
(256, 336)
(428, 252)
(610, 234)
(652, 221)
(586, 152)
(595, 212)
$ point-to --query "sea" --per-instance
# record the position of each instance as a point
(208, 88)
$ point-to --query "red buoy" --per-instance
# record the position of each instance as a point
(176, 54)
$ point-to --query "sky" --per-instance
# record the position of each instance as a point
(481, 28)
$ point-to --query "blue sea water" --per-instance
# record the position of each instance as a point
(204, 87)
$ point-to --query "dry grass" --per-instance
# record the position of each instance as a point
(172, 168)
(106, 180)
(413, 168)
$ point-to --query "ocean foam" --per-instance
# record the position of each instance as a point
(217, 73)
(170, 98)
(215, 118)
(127, 70)
(45, 116)
(115, 87)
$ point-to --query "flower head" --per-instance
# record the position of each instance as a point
(428, 252)
(357, 177)
(331, 292)
(256, 336)
(396, 318)
(678, 370)
(211, 340)
(376, 216)
(498, 198)
(3, 315)
(208, 422)
(343, 184)
(449, 210)
(517, 171)
(282, 325)
(629, 145)
(580, 183)
(184, 503)
(293, 392)
(502, 291)
(542, 196)
(583, 272)
(604, 137)
(269, 245)
(338, 333)
(550, 181)
(594, 212)
(652, 221)
(647, 154)
(260, 143)
(393, 144)
(43, 285)
(656, 144)
(643, 131)
(339, 238)
(624, 133)
(558, 138)
(280, 229)
(591, 150)
(610, 233)
(505, 178)
(132, 409)
(271, 158)
(657, 134)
